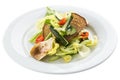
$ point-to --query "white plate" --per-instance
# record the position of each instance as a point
(17, 45)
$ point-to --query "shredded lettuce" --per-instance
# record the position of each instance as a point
(76, 45)
(62, 29)
(67, 58)
(42, 21)
(90, 43)
(54, 23)
(40, 24)
(49, 11)
(71, 31)
(72, 49)
(84, 51)
(53, 58)
(60, 53)
(54, 48)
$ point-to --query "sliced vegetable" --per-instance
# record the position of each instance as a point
(54, 23)
(70, 31)
(40, 38)
(69, 18)
(59, 38)
(84, 35)
(58, 16)
(47, 19)
(62, 30)
(62, 21)
(71, 49)
(78, 22)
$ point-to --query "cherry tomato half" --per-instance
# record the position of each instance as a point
(62, 21)
(40, 38)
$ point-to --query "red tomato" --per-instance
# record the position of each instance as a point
(40, 38)
(62, 21)
(84, 35)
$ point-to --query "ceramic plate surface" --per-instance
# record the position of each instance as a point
(20, 30)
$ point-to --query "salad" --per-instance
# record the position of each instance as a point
(61, 36)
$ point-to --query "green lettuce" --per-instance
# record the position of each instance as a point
(90, 43)
(53, 21)
(54, 48)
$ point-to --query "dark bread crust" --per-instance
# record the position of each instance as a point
(79, 23)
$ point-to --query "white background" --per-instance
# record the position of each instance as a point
(11, 9)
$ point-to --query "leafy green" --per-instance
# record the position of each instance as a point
(54, 48)
(51, 19)
(70, 31)
(65, 49)
(33, 38)
(71, 49)
(59, 38)
(58, 15)
(90, 43)
(47, 21)
(84, 51)
(53, 58)
(67, 58)
(66, 25)
(49, 11)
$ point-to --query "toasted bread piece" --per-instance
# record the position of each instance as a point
(79, 23)
(46, 30)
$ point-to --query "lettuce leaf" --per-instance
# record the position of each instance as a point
(49, 11)
(54, 48)
(90, 43)
(42, 21)
(84, 51)
(67, 58)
